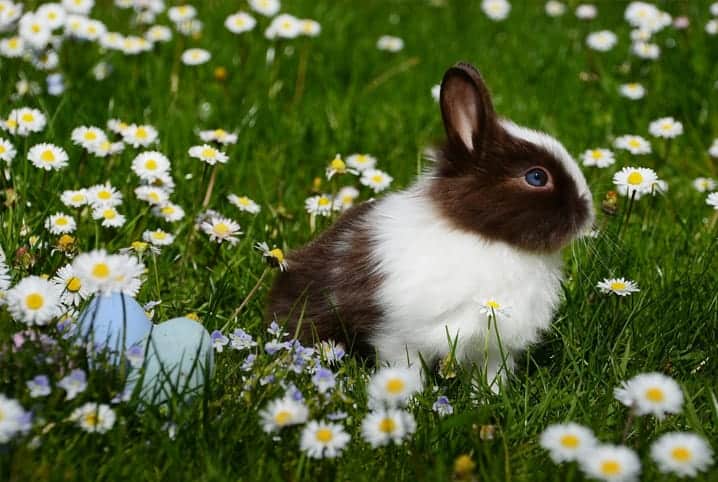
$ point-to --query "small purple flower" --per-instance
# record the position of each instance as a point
(219, 341)
(266, 380)
(323, 379)
(334, 416)
(331, 351)
(293, 393)
(241, 340)
(124, 396)
(248, 363)
(74, 383)
(272, 347)
(442, 406)
(39, 386)
(276, 330)
(135, 355)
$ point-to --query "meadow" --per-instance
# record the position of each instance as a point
(295, 102)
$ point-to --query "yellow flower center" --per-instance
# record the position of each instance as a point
(282, 417)
(347, 199)
(153, 196)
(395, 386)
(338, 165)
(277, 254)
(570, 441)
(159, 235)
(34, 301)
(101, 270)
(666, 127)
(239, 22)
(90, 419)
(151, 165)
(27, 117)
(61, 221)
(596, 154)
(324, 435)
(74, 284)
(90, 136)
(244, 201)
(634, 143)
(387, 425)
(361, 159)
(323, 201)
(36, 28)
(52, 15)
(655, 395)
(109, 214)
(2, 149)
(14, 43)
(167, 210)
(47, 156)
(221, 229)
(141, 133)
(494, 305)
(610, 467)
(104, 195)
(681, 454)
(635, 178)
(209, 152)
(618, 286)
(377, 178)
(219, 133)
(76, 198)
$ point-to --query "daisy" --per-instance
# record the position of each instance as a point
(74, 199)
(274, 256)
(106, 148)
(390, 43)
(376, 179)
(35, 31)
(14, 420)
(240, 22)
(158, 237)
(323, 440)
(320, 205)
(158, 33)
(268, 8)
(666, 127)
(218, 135)
(704, 184)
(338, 166)
(309, 27)
(602, 41)
(195, 56)
(361, 162)
(47, 156)
(94, 417)
(117, 126)
(646, 50)
(281, 413)
(86, 136)
(635, 181)
(208, 154)
(284, 26)
(12, 47)
(566, 441)
(97, 270)
(598, 157)
(612, 463)
(7, 151)
(169, 212)
(633, 91)
(713, 149)
(39, 386)
(181, 13)
(60, 223)
(243, 203)
(681, 453)
(152, 195)
(109, 215)
(491, 307)
(554, 8)
(101, 195)
(81, 7)
(646, 16)
(221, 229)
(633, 144)
(711, 27)
(712, 200)
(139, 135)
(33, 301)
(71, 287)
(25, 120)
(586, 12)
(345, 198)
(394, 386)
(653, 393)
(385, 426)
(496, 9)
(618, 286)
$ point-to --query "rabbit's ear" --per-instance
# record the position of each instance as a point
(466, 107)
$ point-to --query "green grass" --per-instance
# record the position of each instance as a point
(338, 93)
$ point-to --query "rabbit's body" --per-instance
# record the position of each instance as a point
(405, 276)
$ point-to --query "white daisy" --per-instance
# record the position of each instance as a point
(566, 441)
(618, 286)
(496, 9)
(633, 91)
(12, 47)
(149, 165)
(345, 198)
(94, 417)
(106, 148)
(681, 453)
(72, 290)
(554, 8)
(221, 229)
(60, 223)
(25, 120)
(603, 41)
(35, 31)
(704, 184)
(268, 8)
(218, 135)
(195, 56)
(7, 151)
(158, 33)
(85, 136)
(284, 26)
(103, 273)
(34, 301)
(274, 256)
(152, 195)
(240, 22)
(666, 127)
(633, 144)
(47, 156)
(492, 307)
(158, 237)
(101, 195)
(208, 154)
(139, 135)
(243, 203)
(598, 157)
(81, 7)
(390, 43)
(320, 205)
(382, 427)
(376, 179)
(652, 393)
(612, 463)
(109, 216)
(338, 166)
(586, 11)
(309, 27)
(361, 162)
(170, 212)
(117, 126)
(181, 13)
(74, 199)
(635, 181)
(323, 440)
(393, 386)
(712, 200)
(646, 50)
(283, 412)
(711, 27)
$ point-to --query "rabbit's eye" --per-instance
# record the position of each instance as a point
(536, 177)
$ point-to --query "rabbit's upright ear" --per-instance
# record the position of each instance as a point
(466, 107)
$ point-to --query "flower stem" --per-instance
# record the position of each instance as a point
(628, 214)
(210, 187)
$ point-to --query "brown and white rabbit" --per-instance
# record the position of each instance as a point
(403, 275)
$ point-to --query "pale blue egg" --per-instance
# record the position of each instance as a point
(114, 321)
(178, 357)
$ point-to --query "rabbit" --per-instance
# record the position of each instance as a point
(403, 277)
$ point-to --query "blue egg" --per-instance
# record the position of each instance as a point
(178, 357)
(115, 322)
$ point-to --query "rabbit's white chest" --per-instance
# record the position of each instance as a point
(435, 278)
